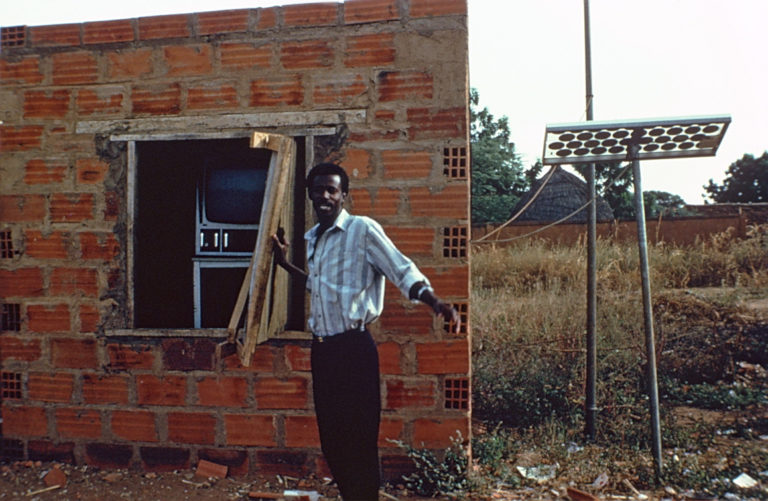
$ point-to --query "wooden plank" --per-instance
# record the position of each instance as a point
(263, 318)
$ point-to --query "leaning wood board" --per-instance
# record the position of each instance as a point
(263, 290)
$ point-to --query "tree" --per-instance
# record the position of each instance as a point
(614, 190)
(662, 203)
(497, 171)
(746, 181)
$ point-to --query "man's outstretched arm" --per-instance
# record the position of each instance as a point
(280, 249)
(424, 293)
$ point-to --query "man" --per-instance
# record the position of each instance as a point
(347, 259)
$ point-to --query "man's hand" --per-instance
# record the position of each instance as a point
(280, 248)
(447, 312)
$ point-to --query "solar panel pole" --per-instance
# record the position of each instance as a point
(590, 403)
(650, 345)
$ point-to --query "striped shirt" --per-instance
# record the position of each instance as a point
(347, 266)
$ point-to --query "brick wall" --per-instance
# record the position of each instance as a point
(92, 389)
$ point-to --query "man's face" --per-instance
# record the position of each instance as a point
(327, 198)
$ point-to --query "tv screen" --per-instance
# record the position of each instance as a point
(234, 195)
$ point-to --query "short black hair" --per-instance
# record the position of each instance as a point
(329, 169)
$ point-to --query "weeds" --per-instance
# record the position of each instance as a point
(528, 317)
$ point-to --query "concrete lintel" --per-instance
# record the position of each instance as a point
(236, 133)
(203, 123)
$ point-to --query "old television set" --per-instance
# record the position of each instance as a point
(229, 201)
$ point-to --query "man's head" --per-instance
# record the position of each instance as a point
(327, 186)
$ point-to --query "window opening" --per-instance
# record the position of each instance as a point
(10, 319)
(455, 162)
(6, 244)
(198, 204)
(456, 393)
(10, 385)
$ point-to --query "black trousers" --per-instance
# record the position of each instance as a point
(345, 381)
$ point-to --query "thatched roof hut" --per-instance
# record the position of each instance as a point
(563, 194)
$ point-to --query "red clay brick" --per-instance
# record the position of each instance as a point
(53, 246)
(91, 170)
(406, 164)
(103, 101)
(46, 104)
(451, 202)
(430, 8)
(339, 90)
(71, 207)
(191, 427)
(273, 393)
(20, 138)
(437, 124)
(390, 429)
(123, 357)
(71, 281)
(410, 394)
(437, 433)
(90, 318)
(164, 458)
(267, 18)
(389, 358)
(74, 353)
(188, 354)
(263, 360)
(25, 70)
(136, 426)
(243, 56)
(212, 97)
(250, 430)
(297, 358)
(101, 389)
(24, 421)
(43, 171)
(159, 99)
(223, 21)
(357, 163)
(174, 26)
(412, 241)
(48, 318)
(55, 35)
(285, 90)
(101, 246)
(222, 392)
(61, 139)
(449, 282)
(73, 68)
(443, 358)
(130, 63)
(306, 54)
(370, 50)
(108, 456)
(15, 348)
(78, 423)
(404, 86)
(170, 390)
(316, 14)
(399, 319)
(47, 387)
(184, 60)
(385, 203)
(21, 282)
(301, 431)
(108, 31)
(370, 11)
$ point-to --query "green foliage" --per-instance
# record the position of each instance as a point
(746, 181)
(433, 477)
(497, 172)
(613, 188)
(662, 203)
(714, 396)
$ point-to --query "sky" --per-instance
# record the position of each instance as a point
(650, 59)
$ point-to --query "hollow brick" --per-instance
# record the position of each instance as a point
(24, 421)
(123, 357)
(370, 50)
(53, 246)
(74, 353)
(406, 164)
(412, 241)
(46, 104)
(306, 54)
(101, 389)
(389, 358)
(191, 427)
(25, 70)
(443, 358)
(169, 390)
(226, 21)
(99, 102)
(212, 97)
(71, 207)
(20, 138)
(242, 56)
(164, 458)
(90, 318)
(91, 170)
(431, 8)
(129, 63)
(101, 246)
(222, 391)
(74, 281)
(250, 430)
(108, 456)
(184, 60)
(390, 429)
(340, 90)
(99, 32)
(78, 423)
(173, 26)
(43, 171)
(301, 431)
(450, 202)
(273, 393)
(427, 123)
(297, 358)
(162, 99)
(47, 387)
(410, 394)
(21, 282)
(55, 35)
(285, 90)
(316, 14)
(136, 426)
(48, 318)
(404, 86)
(437, 433)
(369, 11)
(19, 349)
(73, 68)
